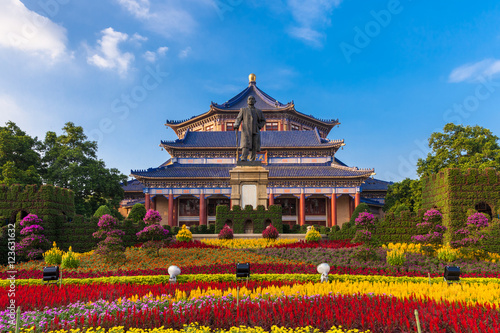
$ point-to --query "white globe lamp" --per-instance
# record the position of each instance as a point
(173, 271)
(323, 269)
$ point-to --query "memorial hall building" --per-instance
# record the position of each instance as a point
(305, 176)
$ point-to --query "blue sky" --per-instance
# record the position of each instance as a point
(392, 71)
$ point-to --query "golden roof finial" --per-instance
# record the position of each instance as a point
(251, 78)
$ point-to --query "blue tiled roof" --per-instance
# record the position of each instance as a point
(275, 171)
(375, 185)
(371, 202)
(295, 139)
(130, 203)
(262, 100)
(133, 186)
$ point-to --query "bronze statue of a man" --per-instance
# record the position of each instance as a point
(251, 120)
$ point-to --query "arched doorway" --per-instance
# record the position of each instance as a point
(18, 215)
(229, 223)
(484, 208)
(248, 227)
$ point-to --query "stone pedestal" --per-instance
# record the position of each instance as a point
(249, 185)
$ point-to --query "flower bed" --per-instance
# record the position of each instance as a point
(374, 312)
(282, 291)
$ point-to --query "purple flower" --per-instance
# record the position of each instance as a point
(152, 217)
(432, 214)
(106, 222)
(152, 231)
(477, 220)
(366, 220)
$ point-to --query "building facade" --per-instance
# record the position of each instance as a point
(305, 177)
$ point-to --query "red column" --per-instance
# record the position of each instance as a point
(171, 210)
(176, 208)
(328, 211)
(147, 202)
(334, 209)
(351, 206)
(271, 199)
(203, 210)
(302, 209)
(357, 199)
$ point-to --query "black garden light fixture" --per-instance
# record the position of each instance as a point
(51, 274)
(452, 274)
(243, 270)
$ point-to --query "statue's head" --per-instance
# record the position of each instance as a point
(251, 100)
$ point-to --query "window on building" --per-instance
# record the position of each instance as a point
(484, 208)
(272, 126)
(209, 128)
(315, 206)
(189, 207)
(288, 205)
(295, 127)
(230, 126)
(213, 203)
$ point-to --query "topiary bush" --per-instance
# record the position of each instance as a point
(430, 230)
(137, 213)
(313, 235)
(226, 233)
(111, 247)
(365, 224)
(154, 234)
(34, 243)
(470, 239)
(102, 210)
(270, 232)
(184, 235)
(362, 207)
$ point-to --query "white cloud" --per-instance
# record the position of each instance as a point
(107, 54)
(185, 53)
(25, 30)
(311, 18)
(138, 38)
(473, 71)
(162, 50)
(138, 8)
(152, 56)
(171, 18)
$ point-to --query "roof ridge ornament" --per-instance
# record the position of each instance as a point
(252, 78)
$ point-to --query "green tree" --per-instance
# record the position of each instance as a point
(102, 210)
(404, 194)
(19, 159)
(137, 212)
(70, 160)
(461, 147)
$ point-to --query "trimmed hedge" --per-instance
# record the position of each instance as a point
(453, 192)
(258, 217)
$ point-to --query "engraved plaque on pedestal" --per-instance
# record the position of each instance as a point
(249, 186)
(249, 195)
